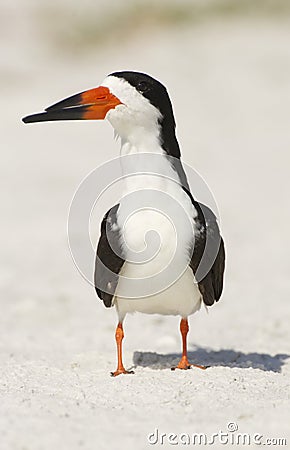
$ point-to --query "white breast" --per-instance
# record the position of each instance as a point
(157, 221)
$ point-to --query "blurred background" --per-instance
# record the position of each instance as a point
(226, 65)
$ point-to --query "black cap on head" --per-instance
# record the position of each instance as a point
(158, 96)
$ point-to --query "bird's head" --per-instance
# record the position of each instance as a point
(131, 101)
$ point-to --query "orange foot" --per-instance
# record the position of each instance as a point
(120, 371)
(184, 365)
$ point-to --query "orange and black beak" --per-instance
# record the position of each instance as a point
(91, 105)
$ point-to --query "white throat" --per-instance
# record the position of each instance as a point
(141, 141)
(135, 120)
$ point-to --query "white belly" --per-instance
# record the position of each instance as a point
(181, 298)
(161, 283)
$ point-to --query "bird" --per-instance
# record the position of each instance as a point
(187, 269)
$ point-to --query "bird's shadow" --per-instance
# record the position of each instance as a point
(211, 358)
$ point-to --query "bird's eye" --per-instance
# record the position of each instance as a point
(143, 86)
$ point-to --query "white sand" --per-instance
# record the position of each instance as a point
(230, 87)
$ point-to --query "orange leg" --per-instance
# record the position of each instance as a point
(183, 363)
(119, 335)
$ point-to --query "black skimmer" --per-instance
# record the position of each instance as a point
(140, 111)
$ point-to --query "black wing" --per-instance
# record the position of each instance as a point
(208, 258)
(109, 258)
